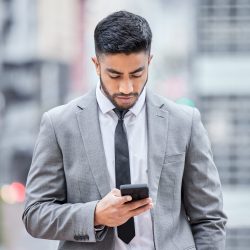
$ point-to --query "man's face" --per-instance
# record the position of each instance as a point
(122, 76)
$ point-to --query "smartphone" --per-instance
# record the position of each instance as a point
(136, 191)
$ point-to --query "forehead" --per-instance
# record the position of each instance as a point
(124, 62)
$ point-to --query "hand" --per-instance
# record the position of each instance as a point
(114, 210)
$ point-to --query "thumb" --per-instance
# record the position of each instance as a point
(124, 199)
(116, 192)
(120, 199)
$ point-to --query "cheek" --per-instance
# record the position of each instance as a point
(138, 84)
(109, 84)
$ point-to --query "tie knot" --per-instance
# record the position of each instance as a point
(120, 113)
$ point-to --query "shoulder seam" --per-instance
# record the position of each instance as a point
(53, 129)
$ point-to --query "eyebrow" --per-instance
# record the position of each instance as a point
(120, 73)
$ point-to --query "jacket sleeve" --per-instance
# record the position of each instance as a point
(202, 194)
(47, 214)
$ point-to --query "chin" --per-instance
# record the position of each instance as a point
(124, 106)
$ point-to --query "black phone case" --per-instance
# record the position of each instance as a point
(137, 191)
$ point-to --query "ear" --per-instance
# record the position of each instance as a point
(149, 59)
(97, 65)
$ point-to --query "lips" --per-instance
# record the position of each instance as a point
(125, 97)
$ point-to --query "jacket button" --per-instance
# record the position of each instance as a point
(76, 237)
(85, 237)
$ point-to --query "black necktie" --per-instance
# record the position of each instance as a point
(126, 231)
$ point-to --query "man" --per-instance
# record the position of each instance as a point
(123, 133)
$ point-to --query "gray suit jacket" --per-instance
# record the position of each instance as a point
(69, 175)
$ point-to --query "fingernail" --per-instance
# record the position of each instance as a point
(129, 198)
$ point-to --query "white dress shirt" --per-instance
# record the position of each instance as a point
(136, 129)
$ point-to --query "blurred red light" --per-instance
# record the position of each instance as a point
(19, 190)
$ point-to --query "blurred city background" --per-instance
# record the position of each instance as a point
(201, 58)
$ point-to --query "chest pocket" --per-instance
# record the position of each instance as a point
(171, 176)
(174, 158)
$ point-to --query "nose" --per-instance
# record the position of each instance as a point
(126, 87)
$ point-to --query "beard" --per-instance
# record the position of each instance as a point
(112, 97)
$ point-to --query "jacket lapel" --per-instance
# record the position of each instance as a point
(157, 122)
(88, 121)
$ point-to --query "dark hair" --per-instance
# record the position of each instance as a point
(122, 32)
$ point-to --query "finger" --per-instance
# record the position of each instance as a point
(140, 210)
(136, 204)
(123, 199)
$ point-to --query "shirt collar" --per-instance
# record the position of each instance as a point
(106, 105)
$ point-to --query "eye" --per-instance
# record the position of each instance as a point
(137, 75)
(114, 76)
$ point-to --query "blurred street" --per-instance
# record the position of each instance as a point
(16, 237)
(237, 203)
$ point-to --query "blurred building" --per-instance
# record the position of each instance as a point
(39, 58)
(222, 77)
